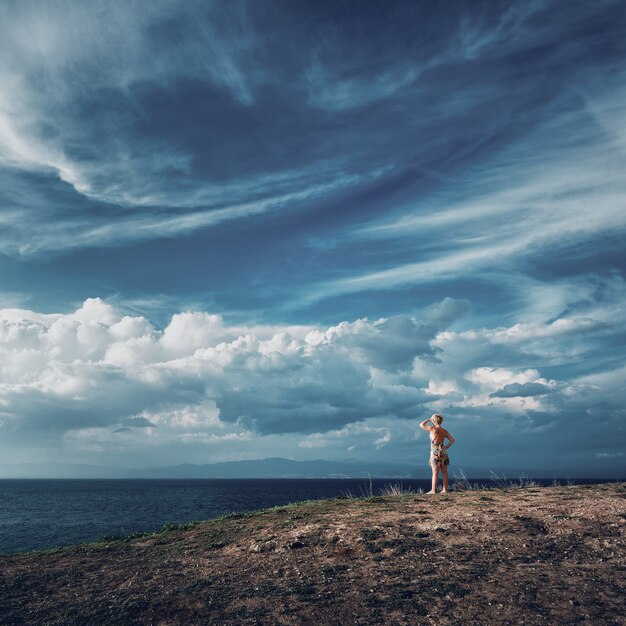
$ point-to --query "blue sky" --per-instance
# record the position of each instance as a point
(234, 230)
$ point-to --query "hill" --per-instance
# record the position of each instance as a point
(549, 555)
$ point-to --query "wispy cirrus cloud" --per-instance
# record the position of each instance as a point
(71, 232)
(87, 101)
(562, 184)
(337, 79)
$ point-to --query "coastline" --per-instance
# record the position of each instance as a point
(499, 556)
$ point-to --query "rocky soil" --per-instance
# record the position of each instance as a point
(546, 555)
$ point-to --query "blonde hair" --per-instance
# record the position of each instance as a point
(436, 419)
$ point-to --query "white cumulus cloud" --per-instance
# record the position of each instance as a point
(98, 379)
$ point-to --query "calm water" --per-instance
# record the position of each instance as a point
(36, 514)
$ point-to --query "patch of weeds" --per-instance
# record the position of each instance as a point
(398, 489)
(502, 482)
(169, 527)
(241, 515)
(166, 528)
(232, 515)
(368, 492)
(462, 483)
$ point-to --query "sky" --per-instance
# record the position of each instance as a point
(239, 230)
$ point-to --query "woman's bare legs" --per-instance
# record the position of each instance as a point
(444, 471)
(435, 469)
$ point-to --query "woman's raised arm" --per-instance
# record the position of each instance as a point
(423, 425)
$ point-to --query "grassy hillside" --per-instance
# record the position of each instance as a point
(547, 555)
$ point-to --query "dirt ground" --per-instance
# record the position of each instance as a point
(545, 555)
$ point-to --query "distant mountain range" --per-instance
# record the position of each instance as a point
(258, 468)
(264, 468)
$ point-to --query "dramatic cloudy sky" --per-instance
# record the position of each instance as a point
(234, 230)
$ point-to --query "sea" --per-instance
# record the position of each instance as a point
(39, 514)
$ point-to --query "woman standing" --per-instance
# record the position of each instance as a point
(438, 450)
